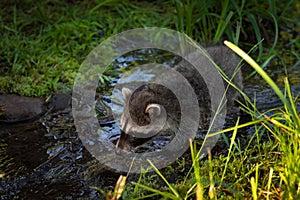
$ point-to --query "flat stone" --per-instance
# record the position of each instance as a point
(16, 107)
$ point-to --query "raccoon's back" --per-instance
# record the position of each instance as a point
(227, 61)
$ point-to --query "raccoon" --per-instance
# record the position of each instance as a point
(148, 103)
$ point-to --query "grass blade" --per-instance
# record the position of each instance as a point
(230, 148)
(165, 180)
(263, 74)
(269, 182)
(157, 192)
(199, 187)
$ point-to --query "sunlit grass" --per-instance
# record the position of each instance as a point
(260, 169)
(285, 127)
(43, 44)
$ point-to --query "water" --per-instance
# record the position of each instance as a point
(46, 159)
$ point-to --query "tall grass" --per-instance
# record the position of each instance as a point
(285, 126)
(40, 40)
(43, 44)
(258, 170)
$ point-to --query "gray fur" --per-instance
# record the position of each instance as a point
(136, 102)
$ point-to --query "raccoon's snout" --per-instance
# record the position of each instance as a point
(123, 124)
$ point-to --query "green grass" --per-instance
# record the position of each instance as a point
(43, 43)
(260, 169)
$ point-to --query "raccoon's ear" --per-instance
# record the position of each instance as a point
(153, 109)
(126, 93)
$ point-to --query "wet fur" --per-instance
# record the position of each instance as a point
(137, 102)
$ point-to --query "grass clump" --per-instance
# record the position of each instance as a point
(260, 169)
(43, 43)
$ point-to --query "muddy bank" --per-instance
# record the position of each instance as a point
(40, 152)
(44, 158)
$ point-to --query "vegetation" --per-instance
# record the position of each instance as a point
(269, 170)
(44, 42)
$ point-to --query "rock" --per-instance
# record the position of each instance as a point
(16, 107)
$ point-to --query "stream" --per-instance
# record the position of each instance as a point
(45, 158)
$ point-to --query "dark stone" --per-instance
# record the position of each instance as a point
(16, 107)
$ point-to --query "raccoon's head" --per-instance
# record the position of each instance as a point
(142, 116)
